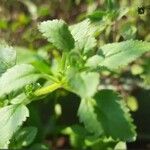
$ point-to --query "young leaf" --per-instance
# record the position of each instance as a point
(94, 61)
(88, 116)
(57, 32)
(84, 84)
(83, 34)
(16, 78)
(128, 31)
(110, 115)
(11, 119)
(27, 56)
(19, 99)
(7, 57)
(120, 54)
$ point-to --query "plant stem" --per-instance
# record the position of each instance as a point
(47, 89)
(63, 61)
(49, 77)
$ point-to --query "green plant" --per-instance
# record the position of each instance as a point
(104, 114)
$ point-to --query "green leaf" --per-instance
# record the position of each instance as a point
(57, 32)
(83, 34)
(106, 114)
(88, 116)
(128, 31)
(94, 61)
(7, 57)
(11, 119)
(120, 54)
(21, 98)
(97, 15)
(23, 137)
(84, 84)
(16, 78)
(31, 57)
(113, 114)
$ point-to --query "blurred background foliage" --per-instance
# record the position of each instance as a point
(116, 20)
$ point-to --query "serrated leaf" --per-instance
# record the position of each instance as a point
(120, 54)
(7, 57)
(23, 137)
(16, 78)
(84, 84)
(57, 32)
(88, 116)
(110, 115)
(113, 114)
(83, 34)
(11, 118)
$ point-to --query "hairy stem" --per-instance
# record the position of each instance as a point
(47, 89)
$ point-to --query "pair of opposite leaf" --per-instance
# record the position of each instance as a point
(102, 112)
